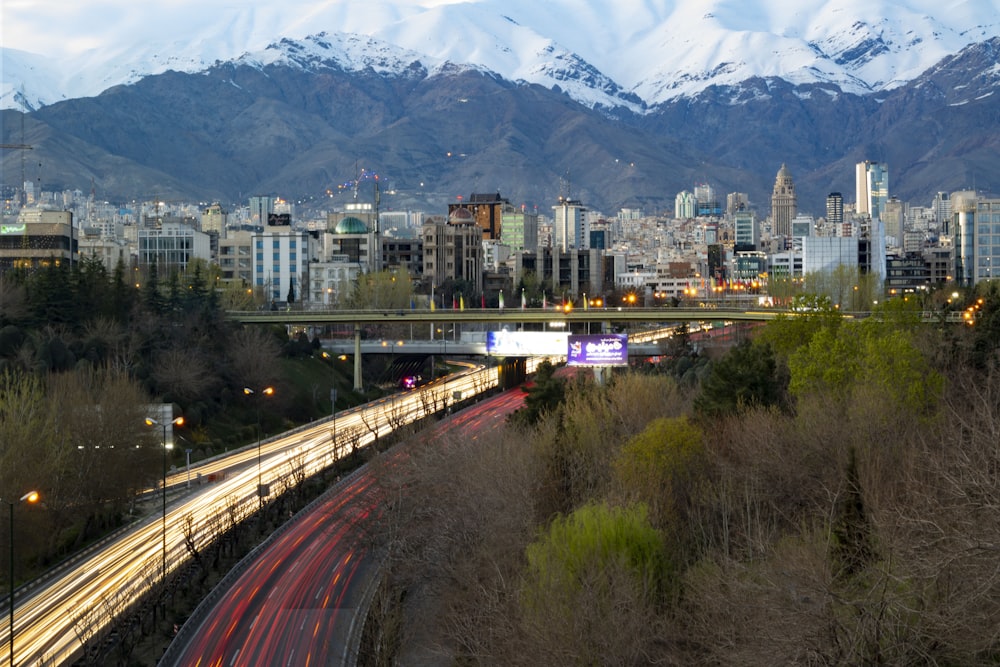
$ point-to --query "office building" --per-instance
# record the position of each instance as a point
(746, 229)
(38, 238)
(569, 226)
(453, 250)
(835, 211)
(172, 246)
(872, 189)
(520, 229)
(281, 263)
(977, 247)
(737, 201)
(685, 205)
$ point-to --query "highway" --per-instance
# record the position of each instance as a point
(75, 605)
(302, 600)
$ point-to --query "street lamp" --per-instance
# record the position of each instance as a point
(266, 391)
(152, 422)
(29, 497)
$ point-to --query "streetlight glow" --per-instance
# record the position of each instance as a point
(266, 391)
(29, 497)
(179, 421)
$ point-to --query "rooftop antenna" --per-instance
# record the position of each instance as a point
(20, 147)
(564, 187)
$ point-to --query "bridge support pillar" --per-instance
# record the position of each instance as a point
(358, 384)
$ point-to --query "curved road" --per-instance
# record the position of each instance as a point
(76, 604)
(297, 602)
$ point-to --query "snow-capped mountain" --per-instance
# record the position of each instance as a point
(604, 53)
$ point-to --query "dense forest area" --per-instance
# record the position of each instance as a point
(825, 493)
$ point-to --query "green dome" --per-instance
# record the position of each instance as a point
(351, 225)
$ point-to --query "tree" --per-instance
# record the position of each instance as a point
(380, 290)
(543, 395)
(659, 466)
(592, 582)
(152, 300)
(851, 547)
(747, 377)
(873, 357)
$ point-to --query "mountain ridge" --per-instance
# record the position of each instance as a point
(636, 53)
(258, 126)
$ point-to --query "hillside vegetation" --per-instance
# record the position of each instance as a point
(826, 493)
(85, 353)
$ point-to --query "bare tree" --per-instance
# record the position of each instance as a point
(396, 415)
(255, 356)
(370, 419)
(189, 530)
(183, 372)
(86, 623)
(351, 435)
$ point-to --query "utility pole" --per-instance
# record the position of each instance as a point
(20, 147)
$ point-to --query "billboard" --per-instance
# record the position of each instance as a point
(526, 343)
(598, 350)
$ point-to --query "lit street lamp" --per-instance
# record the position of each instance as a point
(266, 391)
(152, 422)
(30, 497)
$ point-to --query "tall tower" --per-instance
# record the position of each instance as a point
(872, 190)
(835, 210)
(783, 203)
(569, 226)
(872, 185)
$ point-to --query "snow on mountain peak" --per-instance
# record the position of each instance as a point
(634, 53)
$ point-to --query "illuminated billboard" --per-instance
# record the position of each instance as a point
(598, 350)
(526, 343)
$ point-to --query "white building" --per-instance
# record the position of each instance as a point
(280, 262)
(172, 246)
(569, 226)
(685, 205)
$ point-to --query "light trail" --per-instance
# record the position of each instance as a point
(74, 605)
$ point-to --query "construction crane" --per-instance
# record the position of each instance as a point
(355, 185)
(17, 147)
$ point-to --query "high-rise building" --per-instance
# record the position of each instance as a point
(894, 216)
(737, 201)
(942, 211)
(783, 203)
(872, 190)
(977, 248)
(707, 202)
(569, 226)
(281, 262)
(746, 230)
(685, 205)
(520, 229)
(260, 208)
(835, 210)
(453, 250)
(872, 186)
(214, 218)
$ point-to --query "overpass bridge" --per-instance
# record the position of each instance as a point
(663, 318)
(503, 315)
(608, 319)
